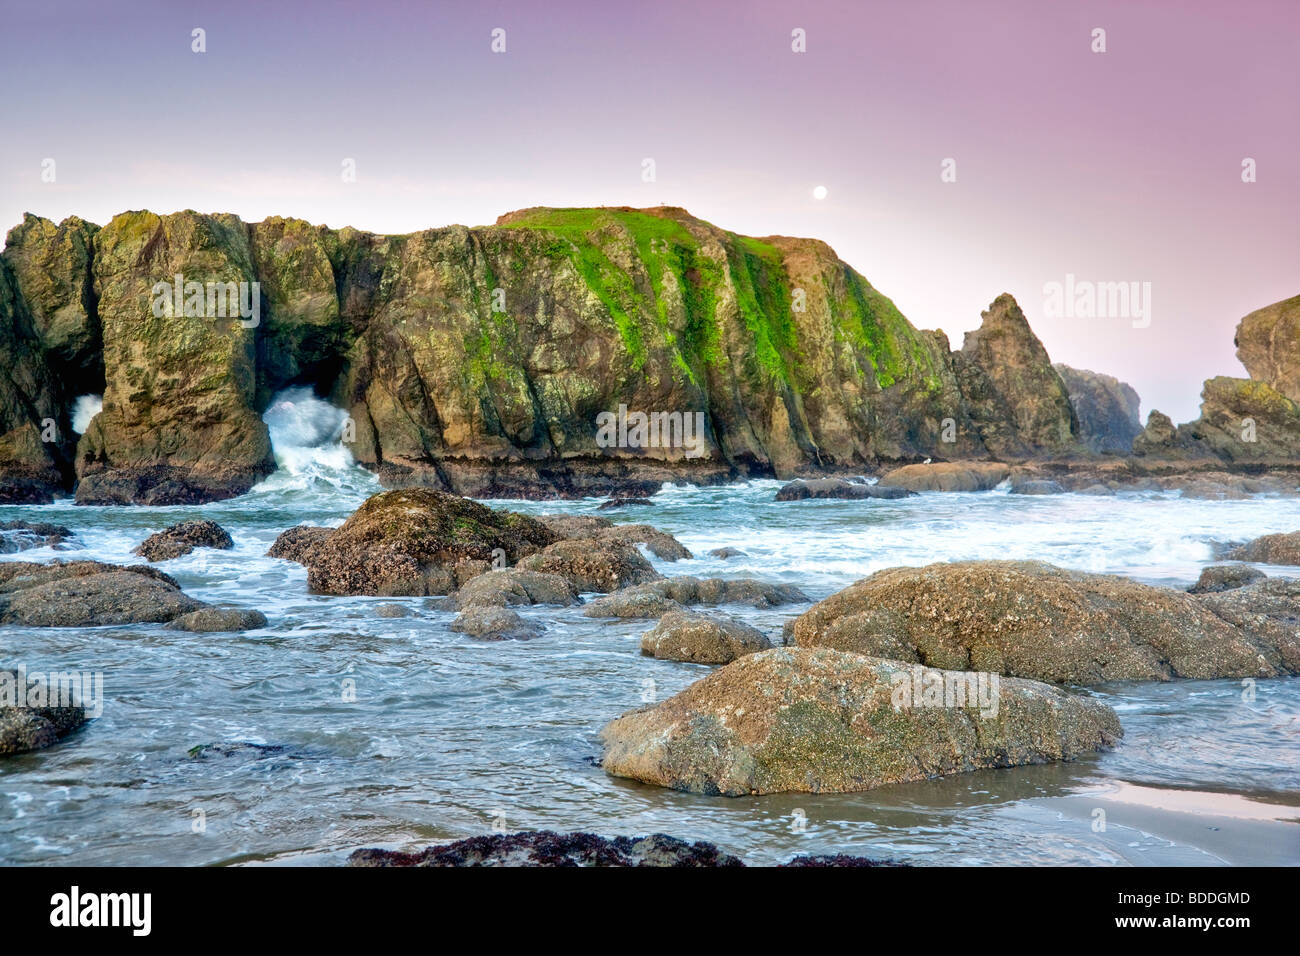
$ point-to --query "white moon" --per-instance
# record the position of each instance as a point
(819, 192)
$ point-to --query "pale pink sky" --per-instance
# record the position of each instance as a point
(1115, 166)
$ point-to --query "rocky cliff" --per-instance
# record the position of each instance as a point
(481, 360)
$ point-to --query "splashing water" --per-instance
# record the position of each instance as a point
(307, 438)
(84, 409)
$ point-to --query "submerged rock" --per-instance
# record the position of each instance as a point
(1270, 549)
(88, 594)
(656, 598)
(803, 488)
(701, 639)
(24, 728)
(727, 553)
(948, 476)
(215, 619)
(181, 539)
(1036, 487)
(412, 542)
(392, 610)
(613, 503)
(1029, 619)
(495, 624)
(25, 535)
(544, 848)
(1225, 577)
(824, 721)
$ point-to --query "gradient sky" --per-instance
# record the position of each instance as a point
(1122, 166)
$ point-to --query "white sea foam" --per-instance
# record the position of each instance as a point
(84, 409)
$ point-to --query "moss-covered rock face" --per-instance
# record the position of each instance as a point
(178, 423)
(35, 438)
(1019, 403)
(51, 267)
(824, 721)
(1029, 619)
(1268, 344)
(1247, 421)
(492, 352)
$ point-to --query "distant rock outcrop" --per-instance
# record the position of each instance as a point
(1268, 344)
(1107, 409)
(1017, 400)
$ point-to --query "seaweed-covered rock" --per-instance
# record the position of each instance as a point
(1030, 619)
(701, 638)
(180, 539)
(823, 721)
(415, 542)
(544, 848)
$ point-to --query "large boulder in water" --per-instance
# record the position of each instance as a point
(180, 539)
(416, 542)
(88, 594)
(1029, 619)
(823, 721)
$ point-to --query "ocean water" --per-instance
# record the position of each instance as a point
(449, 737)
